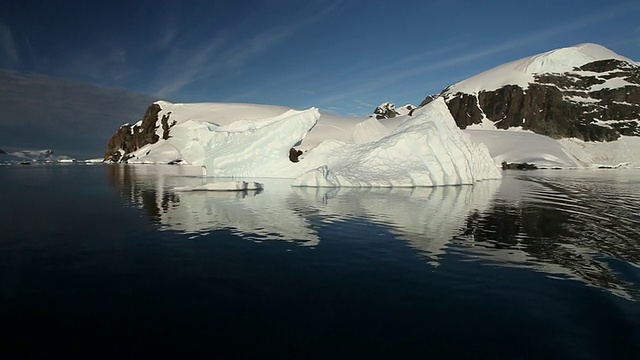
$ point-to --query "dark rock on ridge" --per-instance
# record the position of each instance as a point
(388, 110)
(518, 166)
(385, 110)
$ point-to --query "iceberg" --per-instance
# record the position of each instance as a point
(426, 149)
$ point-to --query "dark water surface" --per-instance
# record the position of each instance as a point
(100, 259)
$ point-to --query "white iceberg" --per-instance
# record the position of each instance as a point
(426, 149)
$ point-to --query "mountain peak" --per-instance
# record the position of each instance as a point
(521, 72)
(566, 59)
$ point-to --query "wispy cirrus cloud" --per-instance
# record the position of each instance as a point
(182, 67)
(168, 33)
(363, 103)
(8, 51)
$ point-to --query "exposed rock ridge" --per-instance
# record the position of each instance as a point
(598, 101)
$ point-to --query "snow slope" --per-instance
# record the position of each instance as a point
(524, 146)
(519, 146)
(545, 152)
(520, 72)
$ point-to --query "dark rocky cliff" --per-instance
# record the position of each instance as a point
(572, 104)
(130, 138)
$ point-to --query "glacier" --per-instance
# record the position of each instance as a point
(426, 149)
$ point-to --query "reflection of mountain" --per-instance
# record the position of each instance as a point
(574, 227)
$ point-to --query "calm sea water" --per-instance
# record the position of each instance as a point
(538, 265)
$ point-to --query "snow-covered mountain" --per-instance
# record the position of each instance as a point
(27, 156)
(244, 140)
(573, 107)
(586, 92)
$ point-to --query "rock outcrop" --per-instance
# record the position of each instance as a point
(130, 138)
(388, 110)
(596, 101)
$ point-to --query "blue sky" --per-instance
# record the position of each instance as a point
(341, 56)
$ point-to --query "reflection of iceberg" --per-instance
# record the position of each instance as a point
(560, 227)
(427, 218)
(258, 215)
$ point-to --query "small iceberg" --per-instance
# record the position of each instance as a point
(223, 186)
